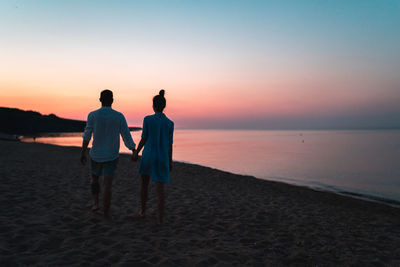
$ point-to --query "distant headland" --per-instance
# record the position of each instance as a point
(20, 122)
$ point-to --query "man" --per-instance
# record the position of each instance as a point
(106, 125)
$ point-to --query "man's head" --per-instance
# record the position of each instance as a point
(106, 98)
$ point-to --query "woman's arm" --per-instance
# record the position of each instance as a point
(170, 157)
(141, 144)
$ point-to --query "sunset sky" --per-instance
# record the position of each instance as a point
(223, 64)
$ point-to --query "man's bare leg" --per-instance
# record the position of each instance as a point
(95, 192)
(107, 192)
(160, 196)
(144, 194)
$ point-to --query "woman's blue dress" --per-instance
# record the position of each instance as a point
(158, 131)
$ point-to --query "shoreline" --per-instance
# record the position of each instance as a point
(388, 199)
(212, 218)
(323, 188)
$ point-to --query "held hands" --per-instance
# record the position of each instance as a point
(135, 155)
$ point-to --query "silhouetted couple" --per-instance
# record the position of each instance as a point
(107, 125)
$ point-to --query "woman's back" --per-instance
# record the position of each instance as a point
(158, 132)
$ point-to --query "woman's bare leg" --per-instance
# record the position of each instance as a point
(144, 194)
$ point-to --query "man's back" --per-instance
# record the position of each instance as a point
(106, 125)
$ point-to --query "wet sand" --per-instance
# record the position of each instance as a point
(212, 218)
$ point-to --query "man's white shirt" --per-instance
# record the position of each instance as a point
(106, 125)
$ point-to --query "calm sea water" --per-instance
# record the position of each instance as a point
(364, 163)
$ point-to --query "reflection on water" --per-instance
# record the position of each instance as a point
(363, 162)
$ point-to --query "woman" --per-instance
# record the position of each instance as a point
(156, 162)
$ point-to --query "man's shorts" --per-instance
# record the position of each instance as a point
(104, 168)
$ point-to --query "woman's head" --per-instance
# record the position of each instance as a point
(159, 101)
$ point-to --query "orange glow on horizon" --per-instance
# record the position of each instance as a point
(217, 104)
(190, 100)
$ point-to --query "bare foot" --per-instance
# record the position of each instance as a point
(140, 214)
(95, 208)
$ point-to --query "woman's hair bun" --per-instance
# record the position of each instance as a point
(159, 101)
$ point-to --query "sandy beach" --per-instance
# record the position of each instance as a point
(212, 218)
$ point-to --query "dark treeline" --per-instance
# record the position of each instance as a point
(16, 121)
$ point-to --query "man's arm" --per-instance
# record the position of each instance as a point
(87, 135)
(142, 142)
(126, 135)
(83, 152)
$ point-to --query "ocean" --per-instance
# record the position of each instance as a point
(361, 163)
